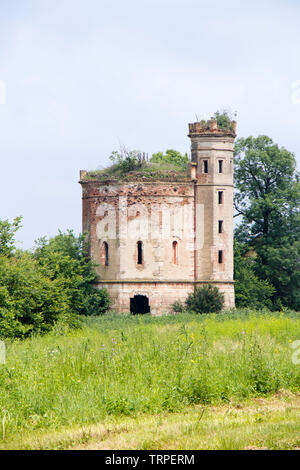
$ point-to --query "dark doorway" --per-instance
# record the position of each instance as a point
(139, 304)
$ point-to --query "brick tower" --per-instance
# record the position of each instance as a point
(212, 172)
(155, 237)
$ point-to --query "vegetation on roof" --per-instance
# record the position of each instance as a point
(171, 165)
(224, 120)
(126, 165)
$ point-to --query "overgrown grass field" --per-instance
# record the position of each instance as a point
(140, 365)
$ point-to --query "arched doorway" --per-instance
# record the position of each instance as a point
(139, 304)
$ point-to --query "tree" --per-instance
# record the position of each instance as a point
(171, 156)
(281, 268)
(30, 302)
(53, 284)
(7, 235)
(64, 257)
(267, 191)
(267, 199)
(250, 291)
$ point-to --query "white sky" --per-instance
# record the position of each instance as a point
(81, 76)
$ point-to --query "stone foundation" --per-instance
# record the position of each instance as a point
(161, 294)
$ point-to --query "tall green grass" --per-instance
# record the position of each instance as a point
(140, 364)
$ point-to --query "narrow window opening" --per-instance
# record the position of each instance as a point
(174, 258)
(205, 166)
(139, 253)
(220, 166)
(220, 257)
(220, 226)
(105, 254)
(220, 197)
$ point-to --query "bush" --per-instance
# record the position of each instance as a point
(223, 119)
(171, 156)
(205, 299)
(30, 302)
(47, 288)
(126, 160)
(64, 257)
(178, 307)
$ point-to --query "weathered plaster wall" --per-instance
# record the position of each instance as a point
(156, 214)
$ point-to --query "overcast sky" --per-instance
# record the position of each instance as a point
(79, 77)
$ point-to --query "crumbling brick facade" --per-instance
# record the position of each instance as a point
(153, 241)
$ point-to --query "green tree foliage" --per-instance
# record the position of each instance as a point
(49, 286)
(30, 302)
(64, 257)
(205, 299)
(171, 156)
(267, 199)
(7, 235)
(223, 119)
(281, 266)
(250, 291)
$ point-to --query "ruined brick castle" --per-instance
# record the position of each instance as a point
(156, 236)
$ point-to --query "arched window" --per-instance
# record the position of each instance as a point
(104, 254)
(174, 252)
(139, 252)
